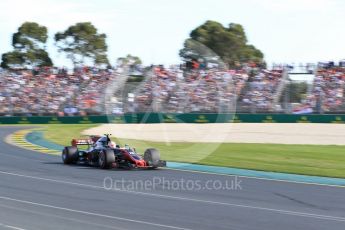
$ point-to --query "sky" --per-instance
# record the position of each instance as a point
(286, 31)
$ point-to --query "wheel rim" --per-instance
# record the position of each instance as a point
(101, 159)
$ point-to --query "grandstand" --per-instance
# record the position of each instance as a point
(328, 90)
(87, 91)
(51, 91)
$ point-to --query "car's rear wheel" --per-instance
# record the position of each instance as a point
(70, 155)
(152, 157)
(106, 158)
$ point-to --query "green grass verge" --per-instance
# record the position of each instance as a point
(318, 160)
(63, 134)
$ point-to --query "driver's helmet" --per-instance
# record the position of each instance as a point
(112, 144)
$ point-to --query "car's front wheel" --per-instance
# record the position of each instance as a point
(152, 157)
(106, 158)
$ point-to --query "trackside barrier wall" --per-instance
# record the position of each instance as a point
(177, 118)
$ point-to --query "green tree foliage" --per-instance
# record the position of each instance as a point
(82, 44)
(12, 59)
(229, 43)
(297, 91)
(29, 47)
(129, 60)
(294, 92)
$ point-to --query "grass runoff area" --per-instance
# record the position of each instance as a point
(319, 160)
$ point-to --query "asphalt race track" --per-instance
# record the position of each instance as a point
(38, 192)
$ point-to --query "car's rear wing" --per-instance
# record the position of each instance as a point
(76, 142)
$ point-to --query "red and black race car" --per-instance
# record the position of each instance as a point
(104, 153)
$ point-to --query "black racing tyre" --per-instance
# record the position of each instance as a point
(70, 155)
(152, 157)
(106, 158)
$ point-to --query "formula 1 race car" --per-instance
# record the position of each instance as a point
(104, 153)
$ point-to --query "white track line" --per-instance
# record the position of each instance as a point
(92, 213)
(278, 211)
(10, 227)
(61, 217)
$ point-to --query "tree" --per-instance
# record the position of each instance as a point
(194, 50)
(82, 43)
(30, 35)
(29, 47)
(12, 59)
(39, 57)
(296, 91)
(129, 60)
(229, 43)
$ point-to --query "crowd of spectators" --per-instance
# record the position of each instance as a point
(47, 91)
(52, 91)
(261, 89)
(328, 89)
(174, 90)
